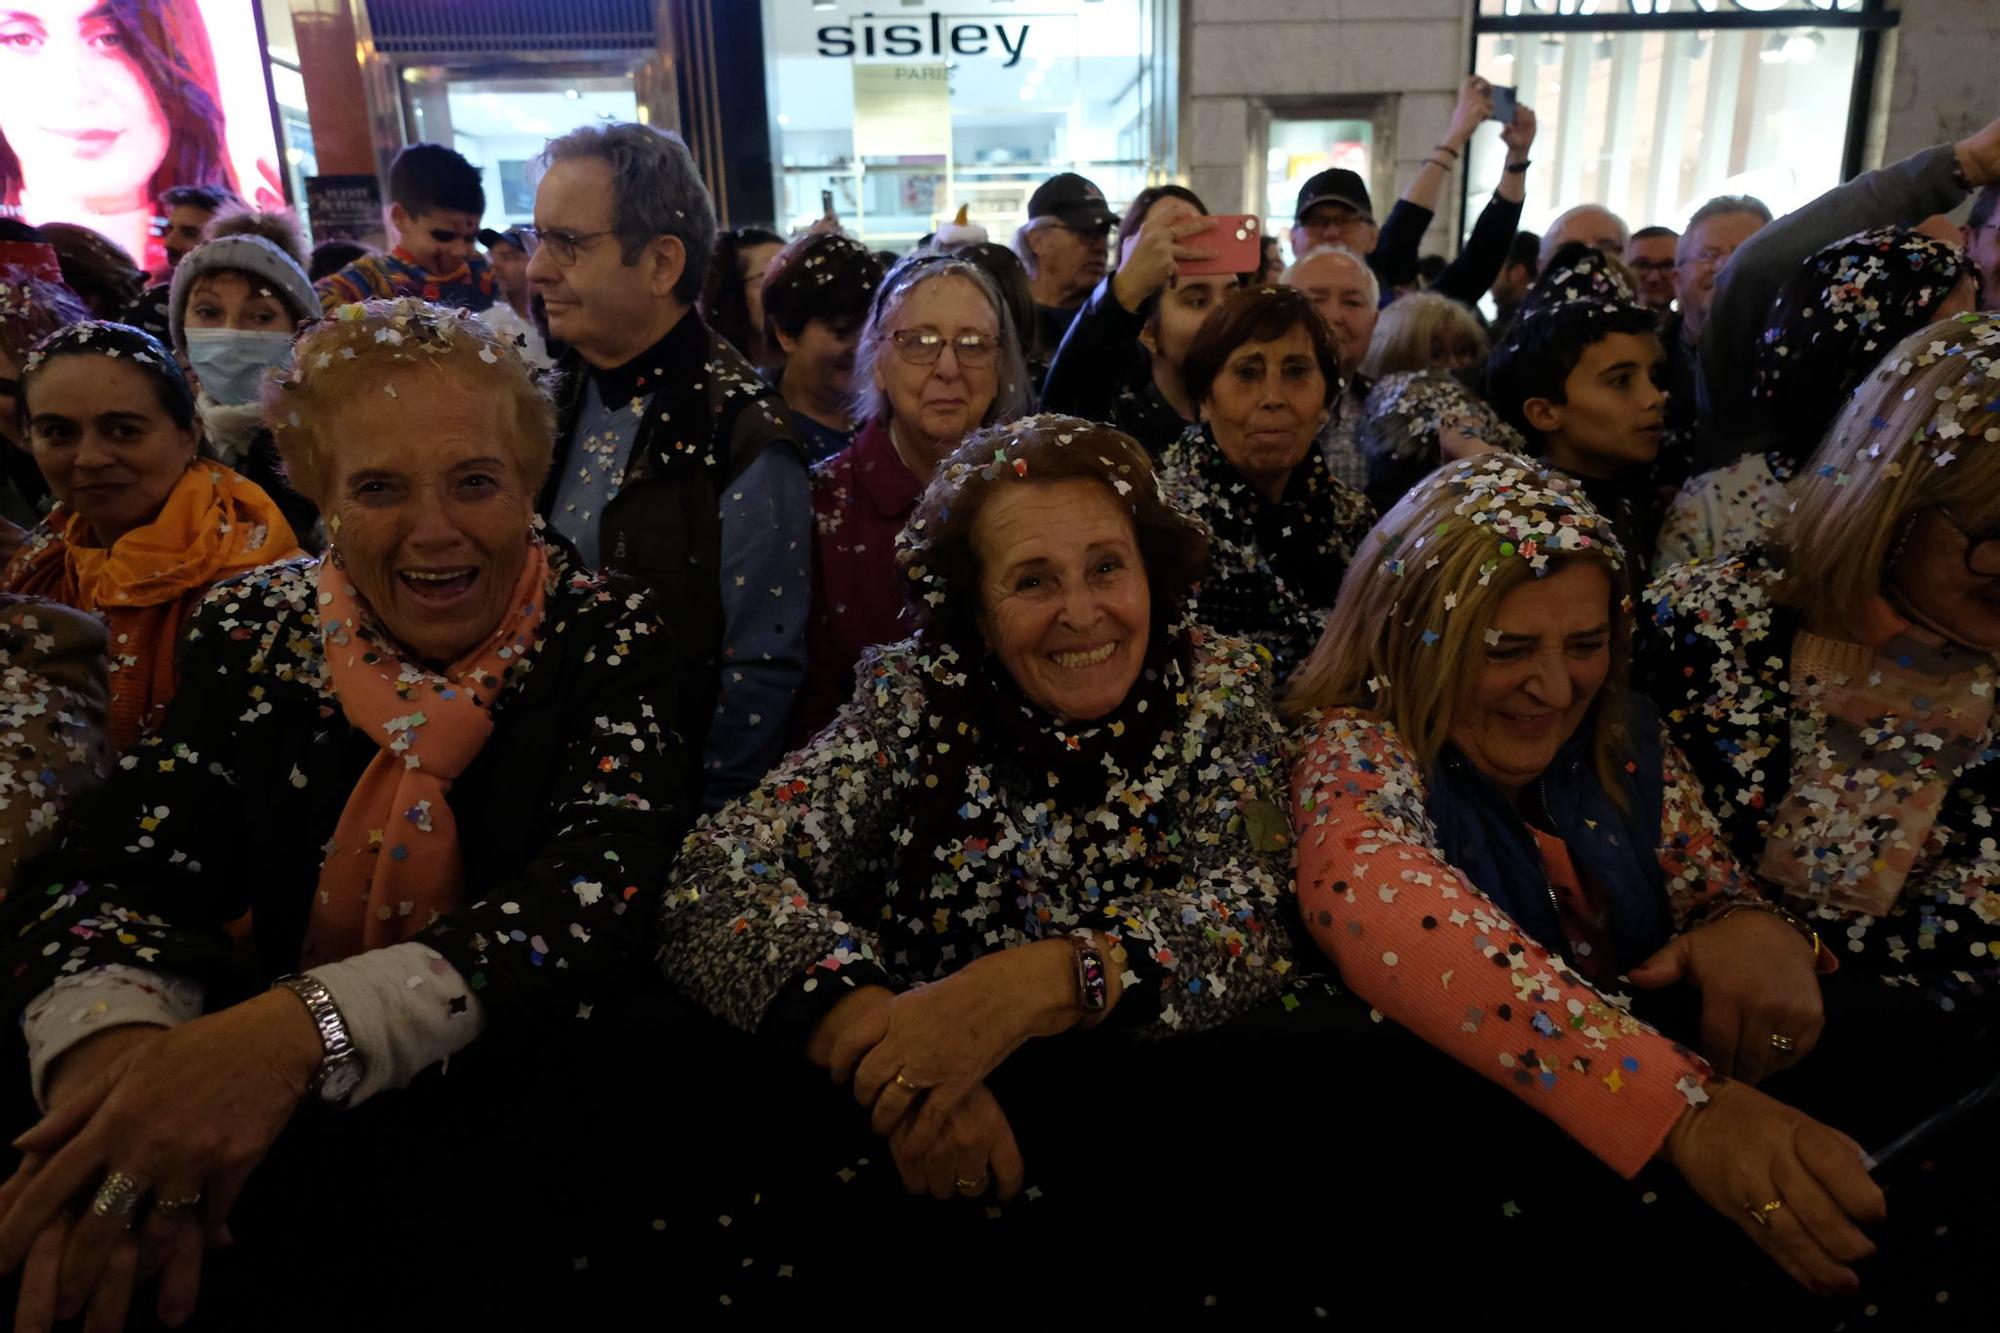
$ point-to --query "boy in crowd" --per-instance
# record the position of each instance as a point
(435, 202)
(1577, 375)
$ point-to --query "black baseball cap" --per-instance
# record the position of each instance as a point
(1073, 201)
(1337, 186)
(508, 236)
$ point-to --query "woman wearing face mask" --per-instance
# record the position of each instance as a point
(1491, 833)
(1262, 371)
(234, 309)
(1834, 688)
(938, 358)
(142, 523)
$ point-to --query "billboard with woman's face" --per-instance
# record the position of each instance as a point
(104, 104)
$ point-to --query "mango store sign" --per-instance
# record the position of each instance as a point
(940, 37)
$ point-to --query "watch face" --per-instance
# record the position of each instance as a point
(339, 1080)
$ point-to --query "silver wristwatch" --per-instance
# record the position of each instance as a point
(340, 1066)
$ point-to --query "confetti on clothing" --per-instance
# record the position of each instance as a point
(1724, 512)
(1274, 569)
(568, 817)
(1862, 772)
(52, 713)
(1421, 942)
(939, 818)
(1402, 421)
(383, 277)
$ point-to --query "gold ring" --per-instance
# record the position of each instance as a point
(907, 1086)
(172, 1208)
(1761, 1213)
(975, 1186)
(117, 1197)
(1783, 1045)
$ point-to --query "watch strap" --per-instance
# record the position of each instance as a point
(336, 1046)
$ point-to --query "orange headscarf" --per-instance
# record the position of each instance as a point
(393, 866)
(215, 524)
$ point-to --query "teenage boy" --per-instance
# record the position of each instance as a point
(1577, 374)
(435, 202)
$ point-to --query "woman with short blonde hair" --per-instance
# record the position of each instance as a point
(1421, 331)
(1484, 820)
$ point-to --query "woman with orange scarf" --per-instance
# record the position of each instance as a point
(143, 525)
(440, 768)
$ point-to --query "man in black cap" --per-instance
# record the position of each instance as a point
(508, 251)
(1065, 244)
(1334, 209)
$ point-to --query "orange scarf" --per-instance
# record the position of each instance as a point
(393, 866)
(144, 586)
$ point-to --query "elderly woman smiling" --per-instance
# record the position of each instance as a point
(938, 359)
(1263, 373)
(1484, 849)
(1057, 807)
(143, 524)
(447, 774)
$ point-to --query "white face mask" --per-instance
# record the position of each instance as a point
(230, 363)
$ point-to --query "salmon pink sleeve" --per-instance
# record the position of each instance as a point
(1415, 938)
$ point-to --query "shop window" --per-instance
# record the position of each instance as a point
(904, 113)
(1297, 149)
(1652, 123)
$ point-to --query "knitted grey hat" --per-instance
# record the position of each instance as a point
(244, 254)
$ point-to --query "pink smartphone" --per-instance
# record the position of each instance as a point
(1237, 239)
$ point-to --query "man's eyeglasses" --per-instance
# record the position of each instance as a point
(1323, 222)
(1982, 549)
(563, 246)
(923, 347)
(1653, 265)
(1710, 255)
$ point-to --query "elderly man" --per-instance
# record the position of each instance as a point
(1593, 224)
(1712, 235)
(1347, 295)
(1065, 245)
(673, 460)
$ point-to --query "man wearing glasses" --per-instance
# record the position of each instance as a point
(1066, 245)
(1712, 235)
(673, 460)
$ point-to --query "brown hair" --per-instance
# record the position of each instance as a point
(1913, 435)
(1408, 631)
(1256, 314)
(936, 553)
(359, 348)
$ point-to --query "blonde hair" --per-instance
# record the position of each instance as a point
(366, 349)
(1409, 629)
(1409, 325)
(1921, 430)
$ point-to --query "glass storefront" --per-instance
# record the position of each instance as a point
(1655, 114)
(501, 123)
(905, 113)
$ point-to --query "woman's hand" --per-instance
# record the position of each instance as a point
(185, 1113)
(921, 1053)
(1475, 104)
(1155, 257)
(1758, 986)
(1795, 1186)
(974, 1152)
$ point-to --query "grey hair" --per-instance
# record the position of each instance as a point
(1722, 206)
(1552, 237)
(1321, 251)
(656, 191)
(1408, 324)
(1022, 250)
(1010, 395)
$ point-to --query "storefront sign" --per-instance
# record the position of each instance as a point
(343, 208)
(939, 36)
(902, 110)
(1566, 8)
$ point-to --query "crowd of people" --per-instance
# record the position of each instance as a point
(624, 769)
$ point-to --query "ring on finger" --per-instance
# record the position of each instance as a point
(973, 1187)
(906, 1085)
(1784, 1045)
(171, 1209)
(117, 1197)
(1760, 1213)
